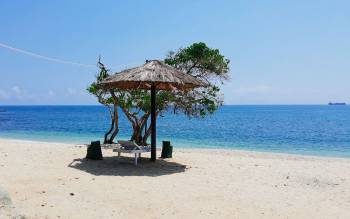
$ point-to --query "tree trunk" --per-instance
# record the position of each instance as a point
(111, 112)
(116, 124)
(136, 135)
(106, 141)
(138, 127)
(148, 132)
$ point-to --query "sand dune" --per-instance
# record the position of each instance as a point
(53, 180)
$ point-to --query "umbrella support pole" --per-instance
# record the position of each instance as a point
(153, 124)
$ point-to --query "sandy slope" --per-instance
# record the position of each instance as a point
(52, 180)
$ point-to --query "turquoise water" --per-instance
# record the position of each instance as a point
(310, 130)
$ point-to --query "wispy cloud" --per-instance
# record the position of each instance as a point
(16, 90)
(15, 93)
(51, 93)
(71, 91)
(3, 94)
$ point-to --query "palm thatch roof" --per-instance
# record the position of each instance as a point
(155, 72)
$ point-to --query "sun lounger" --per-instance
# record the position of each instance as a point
(131, 148)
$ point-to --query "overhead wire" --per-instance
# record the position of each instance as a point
(52, 59)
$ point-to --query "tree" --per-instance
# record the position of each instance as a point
(197, 60)
(105, 98)
(206, 64)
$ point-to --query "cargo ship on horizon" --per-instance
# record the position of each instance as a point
(337, 103)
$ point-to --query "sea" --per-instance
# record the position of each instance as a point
(319, 130)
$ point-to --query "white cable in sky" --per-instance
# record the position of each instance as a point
(44, 57)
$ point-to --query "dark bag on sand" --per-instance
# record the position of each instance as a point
(167, 150)
(94, 151)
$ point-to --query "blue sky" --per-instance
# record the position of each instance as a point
(281, 52)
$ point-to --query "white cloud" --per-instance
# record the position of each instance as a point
(15, 93)
(16, 90)
(51, 93)
(71, 91)
(19, 93)
(3, 95)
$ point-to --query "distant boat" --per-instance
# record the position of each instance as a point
(338, 104)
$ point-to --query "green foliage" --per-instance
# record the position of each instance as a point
(103, 96)
(206, 64)
(200, 61)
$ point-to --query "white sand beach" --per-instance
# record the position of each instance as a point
(53, 180)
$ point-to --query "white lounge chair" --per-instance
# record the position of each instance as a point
(131, 148)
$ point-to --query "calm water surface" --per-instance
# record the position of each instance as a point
(311, 130)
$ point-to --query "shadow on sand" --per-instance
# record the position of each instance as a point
(124, 166)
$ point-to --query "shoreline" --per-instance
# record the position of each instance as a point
(53, 180)
(194, 148)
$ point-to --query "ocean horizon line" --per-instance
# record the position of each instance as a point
(253, 104)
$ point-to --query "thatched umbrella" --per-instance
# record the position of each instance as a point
(153, 75)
